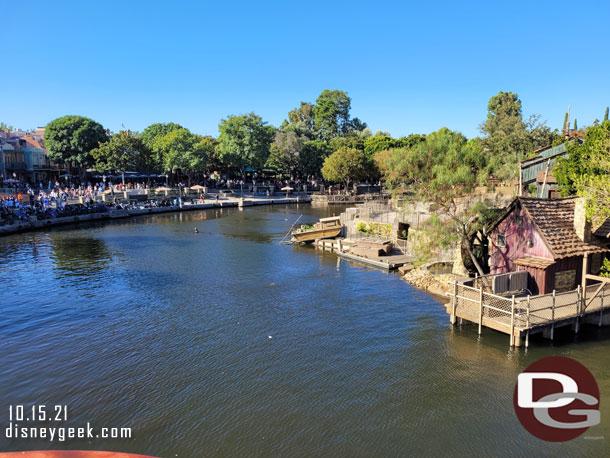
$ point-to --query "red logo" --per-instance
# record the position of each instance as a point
(557, 399)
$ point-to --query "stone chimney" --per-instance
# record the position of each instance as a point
(581, 225)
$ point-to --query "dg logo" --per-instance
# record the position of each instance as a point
(557, 399)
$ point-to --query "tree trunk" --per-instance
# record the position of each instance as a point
(123, 177)
(473, 258)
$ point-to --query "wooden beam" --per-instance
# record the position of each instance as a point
(597, 291)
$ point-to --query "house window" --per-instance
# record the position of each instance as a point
(501, 240)
(518, 220)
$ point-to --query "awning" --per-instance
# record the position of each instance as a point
(535, 261)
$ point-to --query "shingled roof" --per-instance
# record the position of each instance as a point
(603, 231)
(554, 219)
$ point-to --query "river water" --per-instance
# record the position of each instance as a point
(226, 343)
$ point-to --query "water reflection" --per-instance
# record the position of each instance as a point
(79, 256)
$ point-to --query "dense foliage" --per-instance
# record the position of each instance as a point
(70, 139)
(586, 171)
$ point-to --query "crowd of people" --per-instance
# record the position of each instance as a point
(22, 202)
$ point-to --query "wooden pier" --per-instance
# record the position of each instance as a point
(520, 317)
(341, 249)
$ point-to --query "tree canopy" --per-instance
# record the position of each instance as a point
(244, 141)
(442, 169)
(123, 151)
(331, 114)
(183, 151)
(586, 171)
(284, 153)
(312, 156)
(70, 139)
(509, 139)
(345, 165)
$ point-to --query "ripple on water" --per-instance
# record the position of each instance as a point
(143, 323)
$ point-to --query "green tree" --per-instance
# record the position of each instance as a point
(244, 141)
(70, 139)
(509, 139)
(284, 153)
(345, 165)
(155, 131)
(301, 121)
(123, 151)
(441, 170)
(184, 152)
(331, 114)
(311, 159)
(587, 171)
(606, 114)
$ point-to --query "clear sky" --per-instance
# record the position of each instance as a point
(409, 67)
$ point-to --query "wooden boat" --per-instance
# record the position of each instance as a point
(326, 228)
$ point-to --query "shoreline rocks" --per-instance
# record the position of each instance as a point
(425, 280)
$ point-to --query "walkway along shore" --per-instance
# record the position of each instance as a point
(20, 227)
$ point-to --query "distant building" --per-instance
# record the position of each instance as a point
(23, 156)
(538, 170)
(548, 239)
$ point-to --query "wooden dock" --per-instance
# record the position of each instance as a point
(341, 248)
(519, 317)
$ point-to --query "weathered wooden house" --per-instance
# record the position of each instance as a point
(538, 170)
(548, 239)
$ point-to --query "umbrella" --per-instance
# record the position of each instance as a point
(163, 189)
(198, 187)
(287, 188)
(11, 180)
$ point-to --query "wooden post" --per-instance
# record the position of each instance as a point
(601, 308)
(512, 322)
(454, 302)
(553, 317)
(579, 308)
(480, 309)
(585, 268)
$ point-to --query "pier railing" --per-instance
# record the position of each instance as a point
(514, 314)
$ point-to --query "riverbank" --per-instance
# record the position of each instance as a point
(20, 227)
(421, 278)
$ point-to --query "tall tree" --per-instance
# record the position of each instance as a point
(123, 151)
(311, 159)
(345, 165)
(70, 139)
(244, 141)
(606, 114)
(509, 139)
(284, 153)
(331, 114)
(152, 133)
(301, 120)
(185, 152)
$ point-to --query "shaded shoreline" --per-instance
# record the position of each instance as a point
(21, 227)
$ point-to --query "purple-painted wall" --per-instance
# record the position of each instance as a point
(518, 229)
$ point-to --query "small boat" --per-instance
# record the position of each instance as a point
(326, 228)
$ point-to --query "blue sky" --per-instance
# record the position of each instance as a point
(409, 67)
